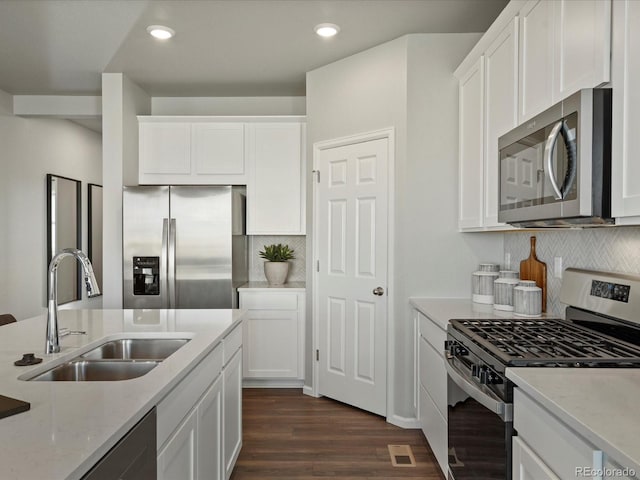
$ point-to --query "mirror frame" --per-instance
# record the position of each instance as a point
(78, 222)
(94, 189)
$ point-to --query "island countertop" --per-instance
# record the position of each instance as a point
(71, 425)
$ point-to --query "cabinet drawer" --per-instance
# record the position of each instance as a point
(231, 343)
(561, 449)
(173, 408)
(432, 333)
(433, 375)
(434, 427)
(268, 301)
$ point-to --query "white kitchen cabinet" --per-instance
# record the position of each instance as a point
(275, 189)
(431, 386)
(191, 151)
(232, 408)
(199, 430)
(536, 58)
(179, 457)
(565, 45)
(625, 168)
(273, 336)
(527, 465)
(501, 112)
(556, 448)
(471, 117)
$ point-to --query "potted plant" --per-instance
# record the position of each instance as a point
(277, 259)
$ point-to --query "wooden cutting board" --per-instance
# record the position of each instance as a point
(534, 269)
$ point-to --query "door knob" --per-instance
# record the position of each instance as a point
(379, 291)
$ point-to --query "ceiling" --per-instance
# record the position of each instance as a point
(221, 47)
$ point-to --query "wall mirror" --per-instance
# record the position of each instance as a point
(94, 223)
(64, 231)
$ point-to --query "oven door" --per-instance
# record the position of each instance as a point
(480, 428)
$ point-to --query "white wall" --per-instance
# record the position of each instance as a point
(408, 84)
(31, 148)
(122, 100)
(228, 106)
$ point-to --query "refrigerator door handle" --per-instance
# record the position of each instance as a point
(172, 264)
(163, 262)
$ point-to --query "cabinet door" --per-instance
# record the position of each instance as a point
(582, 45)
(527, 465)
(625, 168)
(164, 149)
(501, 110)
(218, 148)
(536, 58)
(210, 433)
(470, 147)
(178, 459)
(275, 193)
(271, 344)
(232, 410)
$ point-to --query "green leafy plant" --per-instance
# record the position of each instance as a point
(277, 253)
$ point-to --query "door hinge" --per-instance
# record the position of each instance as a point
(317, 172)
(317, 265)
(317, 355)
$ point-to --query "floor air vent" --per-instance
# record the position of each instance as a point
(401, 456)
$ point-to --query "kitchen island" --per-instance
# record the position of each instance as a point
(72, 425)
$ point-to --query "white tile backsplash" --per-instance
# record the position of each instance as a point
(297, 266)
(614, 249)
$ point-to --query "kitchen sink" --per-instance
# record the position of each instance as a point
(136, 349)
(96, 371)
(114, 360)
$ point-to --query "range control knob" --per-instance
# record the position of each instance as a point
(457, 350)
(489, 377)
(475, 370)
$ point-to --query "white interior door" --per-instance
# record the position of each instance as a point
(351, 233)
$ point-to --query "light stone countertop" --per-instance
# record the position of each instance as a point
(441, 310)
(291, 286)
(600, 404)
(71, 425)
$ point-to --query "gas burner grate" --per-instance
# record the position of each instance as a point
(549, 341)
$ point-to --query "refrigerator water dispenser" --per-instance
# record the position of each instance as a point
(146, 275)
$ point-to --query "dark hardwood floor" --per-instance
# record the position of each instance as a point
(288, 435)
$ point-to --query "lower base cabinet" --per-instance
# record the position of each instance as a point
(527, 465)
(200, 420)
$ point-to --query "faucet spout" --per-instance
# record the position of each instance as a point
(52, 344)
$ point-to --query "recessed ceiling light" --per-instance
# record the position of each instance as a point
(161, 32)
(327, 29)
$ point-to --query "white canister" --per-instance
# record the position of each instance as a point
(527, 299)
(503, 290)
(482, 283)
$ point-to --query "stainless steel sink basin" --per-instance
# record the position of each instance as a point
(136, 349)
(96, 371)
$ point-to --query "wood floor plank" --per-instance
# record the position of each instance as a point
(288, 435)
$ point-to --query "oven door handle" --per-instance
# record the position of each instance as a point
(502, 409)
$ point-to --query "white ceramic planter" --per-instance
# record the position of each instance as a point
(276, 272)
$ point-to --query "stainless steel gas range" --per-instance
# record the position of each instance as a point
(601, 329)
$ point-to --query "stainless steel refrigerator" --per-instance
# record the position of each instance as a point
(184, 246)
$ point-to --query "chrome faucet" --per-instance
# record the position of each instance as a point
(52, 344)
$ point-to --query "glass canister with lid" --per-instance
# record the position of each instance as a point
(503, 290)
(482, 283)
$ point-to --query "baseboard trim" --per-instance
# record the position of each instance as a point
(271, 383)
(307, 390)
(404, 422)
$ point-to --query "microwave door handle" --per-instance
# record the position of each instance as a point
(500, 408)
(572, 158)
(548, 156)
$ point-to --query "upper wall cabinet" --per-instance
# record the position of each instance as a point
(180, 151)
(275, 191)
(488, 109)
(536, 53)
(625, 201)
(565, 45)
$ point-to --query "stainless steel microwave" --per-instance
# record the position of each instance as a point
(555, 170)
